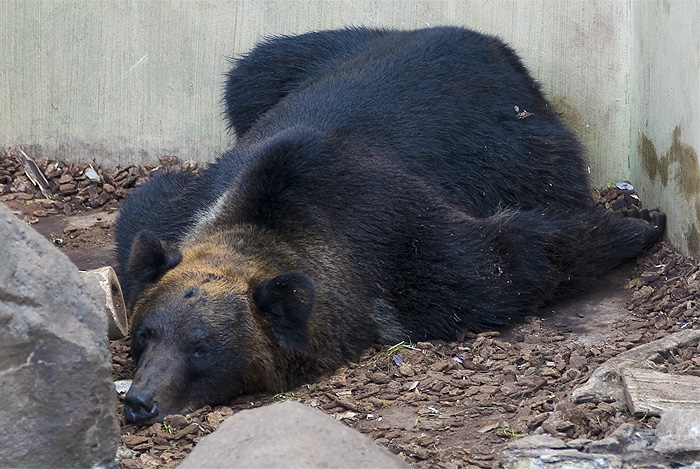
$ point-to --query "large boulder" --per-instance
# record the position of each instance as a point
(288, 435)
(58, 405)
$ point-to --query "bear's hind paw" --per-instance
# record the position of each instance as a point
(655, 218)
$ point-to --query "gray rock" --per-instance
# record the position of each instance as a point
(625, 439)
(58, 405)
(678, 434)
(674, 443)
(536, 442)
(288, 435)
(546, 452)
(578, 444)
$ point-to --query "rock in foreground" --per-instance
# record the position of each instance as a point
(288, 435)
(58, 407)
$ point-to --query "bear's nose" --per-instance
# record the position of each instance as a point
(139, 407)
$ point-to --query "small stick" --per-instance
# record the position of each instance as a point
(32, 171)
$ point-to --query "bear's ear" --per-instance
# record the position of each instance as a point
(286, 301)
(149, 259)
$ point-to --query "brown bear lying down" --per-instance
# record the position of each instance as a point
(386, 186)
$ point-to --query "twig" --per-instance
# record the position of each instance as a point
(32, 171)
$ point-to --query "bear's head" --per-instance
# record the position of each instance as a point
(203, 332)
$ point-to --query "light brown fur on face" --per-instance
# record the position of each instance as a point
(219, 255)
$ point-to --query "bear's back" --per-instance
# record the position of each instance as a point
(450, 106)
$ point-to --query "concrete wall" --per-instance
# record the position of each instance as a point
(127, 81)
(665, 99)
(122, 81)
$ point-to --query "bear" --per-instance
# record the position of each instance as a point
(385, 186)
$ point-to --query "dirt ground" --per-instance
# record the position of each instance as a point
(435, 404)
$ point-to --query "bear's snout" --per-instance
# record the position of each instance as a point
(140, 407)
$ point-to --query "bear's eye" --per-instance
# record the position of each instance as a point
(147, 333)
(199, 361)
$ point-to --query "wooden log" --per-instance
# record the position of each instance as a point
(653, 393)
(104, 286)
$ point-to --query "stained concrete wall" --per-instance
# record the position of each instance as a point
(120, 81)
(665, 101)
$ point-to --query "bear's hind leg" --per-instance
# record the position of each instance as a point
(540, 256)
(596, 241)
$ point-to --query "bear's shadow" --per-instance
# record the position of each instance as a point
(585, 319)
